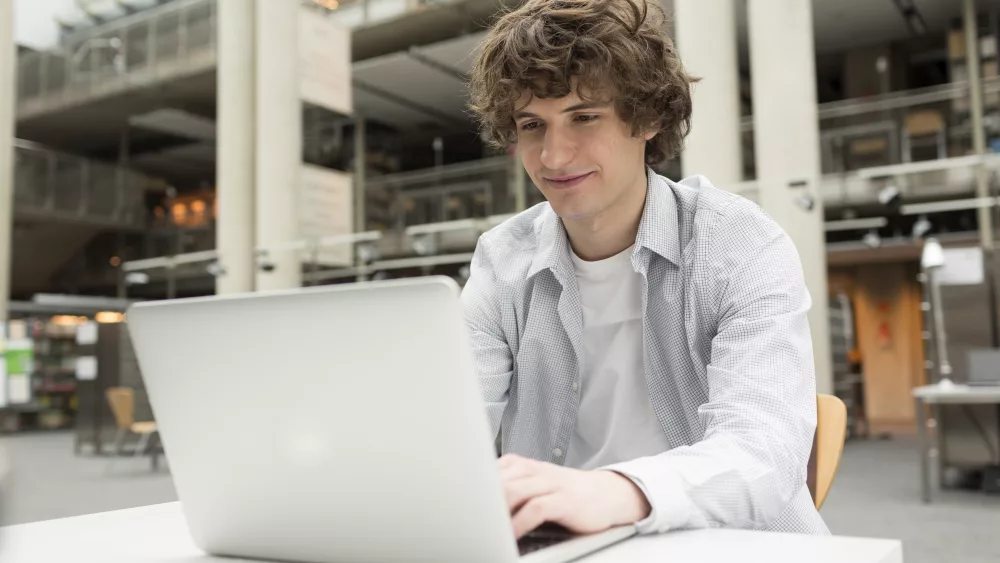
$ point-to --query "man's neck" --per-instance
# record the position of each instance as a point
(610, 232)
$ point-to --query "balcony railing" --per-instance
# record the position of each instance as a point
(151, 45)
(50, 184)
(896, 128)
(154, 45)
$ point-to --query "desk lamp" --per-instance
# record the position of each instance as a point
(932, 260)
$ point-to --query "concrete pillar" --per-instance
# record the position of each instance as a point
(279, 140)
(8, 101)
(706, 40)
(786, 135)
(975, 70)
(234, 235)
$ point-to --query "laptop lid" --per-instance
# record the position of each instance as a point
(984, 366)
(341, 423)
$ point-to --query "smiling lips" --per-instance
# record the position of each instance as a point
(568, 181)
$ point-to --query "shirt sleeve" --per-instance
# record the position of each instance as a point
(760, 417)
(481, 302)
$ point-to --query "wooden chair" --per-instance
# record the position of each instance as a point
(828, 444)
(122, 403)
(927, 127)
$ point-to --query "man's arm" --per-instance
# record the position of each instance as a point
(760, 417)
(494, 361)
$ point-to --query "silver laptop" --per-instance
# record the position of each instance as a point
(984, 367)
(337, 424)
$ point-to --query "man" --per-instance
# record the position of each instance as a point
(642, 344)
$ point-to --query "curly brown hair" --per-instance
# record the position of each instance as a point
(616, 49)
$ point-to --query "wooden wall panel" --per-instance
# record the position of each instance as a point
(887, 305)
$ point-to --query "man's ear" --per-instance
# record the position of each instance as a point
(651, 130)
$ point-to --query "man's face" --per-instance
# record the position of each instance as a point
(581, 155)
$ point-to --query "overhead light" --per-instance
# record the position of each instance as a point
(264, 262)
(891, 198)
(136, 278)
(68, 320)
(367, 253)
(805, 202)
(872, 239)
(109, 317)
(424, 245)
(914, 19)
(921, 227)
(888, 194)
(917, 24)
(216, 269)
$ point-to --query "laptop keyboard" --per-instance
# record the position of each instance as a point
(544, 536)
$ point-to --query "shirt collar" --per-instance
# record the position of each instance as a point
(658, 230)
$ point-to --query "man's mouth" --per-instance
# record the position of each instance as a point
(567, 181)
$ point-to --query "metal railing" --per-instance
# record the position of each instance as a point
(470, 189)
(153, 44)
(897, 127)
(52, 184)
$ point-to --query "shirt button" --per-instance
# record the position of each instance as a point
(576, 386)
(557, 452)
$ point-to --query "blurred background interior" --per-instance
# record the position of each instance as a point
(174, 148)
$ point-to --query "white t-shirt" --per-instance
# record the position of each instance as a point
(616, 421)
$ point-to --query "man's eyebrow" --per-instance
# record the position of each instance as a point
(574, 107)
(585, 105)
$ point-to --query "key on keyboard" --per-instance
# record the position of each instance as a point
(542, 537)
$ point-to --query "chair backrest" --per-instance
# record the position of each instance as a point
(122, 402)
(828, 445)
(927, 122)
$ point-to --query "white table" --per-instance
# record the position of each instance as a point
(938, 394)
(158, 534)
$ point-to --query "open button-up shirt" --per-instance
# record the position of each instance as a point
(727, 355)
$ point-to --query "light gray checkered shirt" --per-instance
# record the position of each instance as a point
(728, 356)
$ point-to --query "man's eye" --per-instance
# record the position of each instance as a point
(587, 118)
(529, 126)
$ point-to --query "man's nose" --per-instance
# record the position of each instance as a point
(558, 149)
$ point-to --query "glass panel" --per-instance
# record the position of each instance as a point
(68, 182)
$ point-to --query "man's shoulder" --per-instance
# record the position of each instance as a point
(696, 195)
(516, 235)
(706, 212)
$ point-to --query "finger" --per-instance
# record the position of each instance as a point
(518, 469)
(533, 514)
(520, 491)
(510, 460)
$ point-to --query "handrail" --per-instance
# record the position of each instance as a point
(50, 183)
(82, 35)
(892, 101)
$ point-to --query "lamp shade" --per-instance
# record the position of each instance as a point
(932, 255)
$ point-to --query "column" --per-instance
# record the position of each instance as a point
(706, 40)
(236, 116)
(8, 97)
(974, 69)
(786, 135)
(279, 141)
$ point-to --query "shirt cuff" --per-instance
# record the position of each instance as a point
(671, 508)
